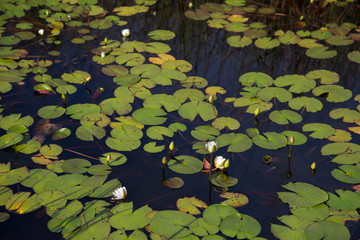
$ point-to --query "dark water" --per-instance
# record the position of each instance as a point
(221, 65)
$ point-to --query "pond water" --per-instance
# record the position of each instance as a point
(211, 55)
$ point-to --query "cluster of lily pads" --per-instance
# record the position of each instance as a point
(76, 192)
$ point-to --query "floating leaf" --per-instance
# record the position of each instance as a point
(161, 35)
(228, 122)
(205, 133)
(266, 43)
(174, 183)
(334, 93)
(61, 134)
(116, 159)
(157, 132)
(347, 200)
(149, 116)
(240, 225)
(320, 130)
(5, 193)
(299, 138)
(315, 213)
(194, 95)
(223, 180)
(238, 41)
(190, 205)
(15, 119)
(268, 93)
(10, 139)
(76, 111)
(347, 158)
(327, 230)
(347, 174)
(339, 148)
(348, 115)
(13, 176)
(185, 164)
(298, 83)
(308, 103)
(234, 199)
(169, 102)
(130, 60)
(15, 201)
(37, 179)
(320, 53)
(77, 77)
(285, 116)
(256, 78)
(237, 142)
(354, 56)
(88, 132)
(303, 195)
(152, 148)
(325, 76)
(198, 14)
(270, 140)
(75, 165)
(190, 110)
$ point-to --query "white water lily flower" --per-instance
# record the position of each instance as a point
(219, 162)
(125, 32)
(102, 54)
(211, 146)
(41, 32)
(119, 193)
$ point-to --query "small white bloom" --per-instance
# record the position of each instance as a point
(211, 146)
(41, 32)
(119, 193)
(125, 32)
(102, 54)
(219, 162)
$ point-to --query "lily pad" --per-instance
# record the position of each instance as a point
(174, 183)
(205, 133)
(325, 76)
(267, 43)
(348, 115)
(237, 142)
(190, 110)
(185, 164)
(320, 130)
(10, 139)
(354, 56)
(285, 116)
(298, 83)
(116, 158)
(268, 93)
(347, 173)
(327, 230)
(190, 205)
(152, 148)
(226, 122)
(149, 116)
(240, 225)
(13, 176)
(76, 111)
(303, 195)
(223, 180)
(161, 34)
(321, 53)
(335, 93)
(256, 78)
(270, 140)
(309, 103)
(169, 102)
(61, 134)
(75, 165)
(234, 199)
(339, 148)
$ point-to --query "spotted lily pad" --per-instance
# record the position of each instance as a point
(234, 199)
(174, 183)
(190, 205)
(303, 195)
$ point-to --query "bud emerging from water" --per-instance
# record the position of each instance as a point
(106, 40)
(164, 160)
(171, 146)
(313, 166)
(41, 32)
(257, 111)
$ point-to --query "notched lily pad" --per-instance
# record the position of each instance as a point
(190, 205)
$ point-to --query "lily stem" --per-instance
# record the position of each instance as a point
(212, 105)
(211, 166)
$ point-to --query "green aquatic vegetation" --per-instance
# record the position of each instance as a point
(141, 69)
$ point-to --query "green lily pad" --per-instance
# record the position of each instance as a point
(14, 202)
(88, 132)
(270, 140)
(347, 174)
(354, 56)
(309, 103)
(226, 122)
(157, 47)
(161, 35)
(340, 136)
(237, 142)
(294, 231)
(152, 148)
(10, 139)
(130, 60)
(157, 132)
(115, 70)
(299, 138)
(327, 230)
(149, 116)
(5, 87)
(236, 27)
(175, 127)
(193, 95)
(338, 40)
(51, 112)
(198, 14)
(268, 93)
(181, 65)
(298, 83)
(347, 158)
(325, 76)
(124, 217)
(348, 115)
(240, 225)
(51, 150)
(223, 180)
(285, 116)
(303, 195)
(98, 119)
(289, 38)
(267, 43)
(13, 176)
(190, 110)
(234, 199)
(5, 193)
(321, 53)
(15, 119)
(169, 102)
(122, 145)
(334, 93)
(108, 106)
(320, 130)
(77, 77)
(205, 133)
(75, 165)
(116, 159)
(185, 164)
(347, 200)
(28, 147)
(37, 179)
(339, 148)
(172, 224)
(190, 205)
(238, 41)
(315, 213)
(105, 190)
(76, 111)
(61, 134)
(127, 79)
(256, 78)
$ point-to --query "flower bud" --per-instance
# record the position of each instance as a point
(227, 163)
(291, 140)
(164, 160)
(171, 146)
(313, 166)
(211, 147)
(211, 99)
(125, 32)
(41, 32)
(106, 40)
(257, 111)
(102, 54)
